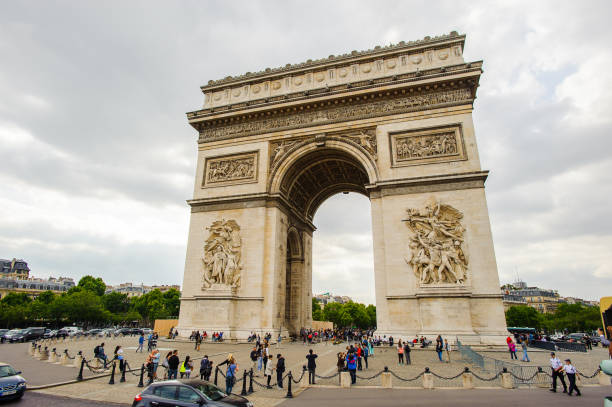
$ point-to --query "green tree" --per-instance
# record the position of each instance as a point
(523, 316)
(95, 285)
(172, 302)
(116, 303)
(12, 299)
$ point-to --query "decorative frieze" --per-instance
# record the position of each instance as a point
(230, 169)
(327, 114)
(424, 146)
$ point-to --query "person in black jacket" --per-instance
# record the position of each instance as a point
(280, 369)
(203, 366)
(312, 365)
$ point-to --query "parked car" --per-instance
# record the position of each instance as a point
(92, 332)
(70, 331)
(136, 331)
(10, 334)
(147, 331)
(577, 336)
(28, 334)
(187, 393)
(12, 385)
(107, 332)
(50, 333)
(123, 332)
(2, 333)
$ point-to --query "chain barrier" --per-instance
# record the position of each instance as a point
(446, 378)
(407, 380)
(371, 377)
(591, 376)
(523, 379)
(485, 379)
(325, 377)
(68, 355)
(298, 380)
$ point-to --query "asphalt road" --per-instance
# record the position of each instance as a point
(591, 396)
(33, 399)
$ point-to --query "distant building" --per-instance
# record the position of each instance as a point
(541, 299)
(34, 286)
(16, 268)
(132, 290)
(327, 298)
(511, 300)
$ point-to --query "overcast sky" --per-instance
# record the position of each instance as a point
(97, 158)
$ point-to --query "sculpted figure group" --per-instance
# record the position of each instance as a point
(436, 247)
(221, 259)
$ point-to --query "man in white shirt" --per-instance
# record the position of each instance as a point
(570, 371)
(557, 371)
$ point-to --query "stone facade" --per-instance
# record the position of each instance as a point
(394, 124)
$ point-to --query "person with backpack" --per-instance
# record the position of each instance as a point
(351, 364)
(230, 374)
(203, 366)
(173, 365)
(99, 353)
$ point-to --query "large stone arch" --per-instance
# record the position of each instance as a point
(393, 124)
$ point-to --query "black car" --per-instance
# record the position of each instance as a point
(12, 386)
(187, 393)
(28, 334)
(123, 331)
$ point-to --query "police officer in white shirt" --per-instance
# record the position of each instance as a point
(570, 371)
(557, 371)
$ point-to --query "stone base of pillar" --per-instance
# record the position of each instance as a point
(542, 380)
(428, 381)
(468, 380)
(386, 380)
(507, 381)
(603, 379)
(345, 379)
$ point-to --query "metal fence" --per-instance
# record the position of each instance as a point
(559, 346)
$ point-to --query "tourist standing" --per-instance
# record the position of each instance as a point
(512, 349)
(570, 371)
(186, 368)
(203, 366)
(351, 364)
(165, 364)
(230, 374)
(280, 369)
(269, 370)
(400, 353)
(312, 365)
(173, 365)
(254, 358)
(366, 353)
(340, 365)
(557, 372)
(439, 347)
(407, 351)
(119, 357)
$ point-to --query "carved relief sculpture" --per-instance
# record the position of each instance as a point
(231, 169)
(436, 252)
(278, 149)
(367, 140)
(434, 145)
(222, 252)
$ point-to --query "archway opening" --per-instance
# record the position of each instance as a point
(340, 178)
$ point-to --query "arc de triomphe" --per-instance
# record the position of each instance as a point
(394, 124)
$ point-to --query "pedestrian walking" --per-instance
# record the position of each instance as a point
(524, 346)
(570, 371)
(278, 340)
(557, 372)
(280, 369)
(140, 343)
(312, 366)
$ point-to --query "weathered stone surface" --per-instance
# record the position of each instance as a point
(409, 145)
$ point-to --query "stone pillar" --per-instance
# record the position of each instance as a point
(428, 381)
(304, 381)
(507, 381)
(64, 359)
(52, 356)
(603, 378)
(345, 380)
(77, 361)
(387, 381)
(468, 380)
(44, 354)
(542, 380)
(37, 352)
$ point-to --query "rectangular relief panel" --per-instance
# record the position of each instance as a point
(425, 146)
(230, 169)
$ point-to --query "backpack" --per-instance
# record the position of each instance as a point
(97, 350)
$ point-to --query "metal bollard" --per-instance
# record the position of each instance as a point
(122, 380)
(112, 378)
(140, 382)
(244, 380)
(80, 376)
(289, 393)
(216, 374)
(250, 382)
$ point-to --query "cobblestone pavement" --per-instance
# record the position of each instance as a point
(34, 399)
(295, 353)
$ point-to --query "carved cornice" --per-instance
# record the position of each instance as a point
(348, 109)
(376, 51)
